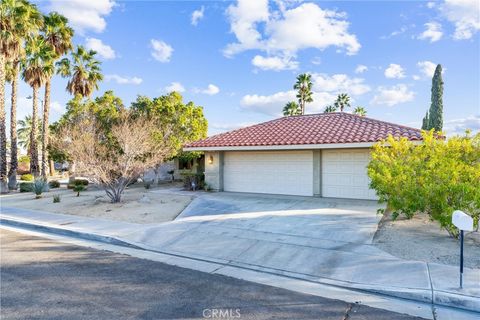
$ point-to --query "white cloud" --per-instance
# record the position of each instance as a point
(458, 126)
(274, 63)
(103, 50)
(391, 96)
(464, 14)
(339, 83)
(175, 86)
(84, 15)
(123, 80)
(361, 68)
(197, 15)
(433, 32)
(161, 51)
(210, 90)
(427, 68)
(267, 104)
(325, 90)
(394, 71)
(430, 5)
(57, 107)
(316, 61)
(416, 77)
(282, 32)
(395, 33)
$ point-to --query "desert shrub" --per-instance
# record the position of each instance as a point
(25, 186)
(38, 187)
(79, 188)
(27, 177)
(78, 182)
(193, 178)
(54, 184)
(436, 177)
(56, 198)
(147, 184)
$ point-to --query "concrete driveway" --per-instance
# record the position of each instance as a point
(296, 218)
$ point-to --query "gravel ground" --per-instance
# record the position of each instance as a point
(420, 238)
(137, 206)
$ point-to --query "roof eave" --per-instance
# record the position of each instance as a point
(289, 147)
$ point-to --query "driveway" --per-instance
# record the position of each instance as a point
(299, 218)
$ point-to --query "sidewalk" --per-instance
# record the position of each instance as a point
(229, 244)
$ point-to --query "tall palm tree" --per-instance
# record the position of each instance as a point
(24, 132)
(58, 35)
(84, 72)
(38, 67)
(342, 102)
(329, 109)
(19, 20)
(304, 90)
(292, 109)
(360, 111)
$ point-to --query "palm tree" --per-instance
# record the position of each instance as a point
(292, 109)
(360, 111)
(24, 132)
(58, 35)
(38, 67)
(84, 72)
(304, 90)
(19, 20)
(329, 109)
(342, 102)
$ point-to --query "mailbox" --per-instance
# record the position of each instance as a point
(462, 221)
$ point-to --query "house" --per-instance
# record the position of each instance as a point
(321, 155)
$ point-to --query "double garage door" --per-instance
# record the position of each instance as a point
(342, 173)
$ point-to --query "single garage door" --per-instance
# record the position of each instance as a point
(276, 172)
(344, 174)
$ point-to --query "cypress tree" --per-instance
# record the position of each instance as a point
(425, 122)
(435, 119)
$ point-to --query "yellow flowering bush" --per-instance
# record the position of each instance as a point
(437, 176)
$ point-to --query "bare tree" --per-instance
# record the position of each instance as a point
(114, 160)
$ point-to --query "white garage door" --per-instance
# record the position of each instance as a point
(282, 172)
(344, 174)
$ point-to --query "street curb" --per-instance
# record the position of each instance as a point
(456, 301)
(67, 232)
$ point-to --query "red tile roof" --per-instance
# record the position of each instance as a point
(325, 128)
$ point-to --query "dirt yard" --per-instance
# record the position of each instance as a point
(138, 205)
(422, 239)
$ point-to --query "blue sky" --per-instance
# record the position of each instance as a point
(239, 60)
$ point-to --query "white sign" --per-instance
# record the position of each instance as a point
(462, 221)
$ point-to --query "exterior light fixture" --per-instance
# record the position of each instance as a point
(210, 159)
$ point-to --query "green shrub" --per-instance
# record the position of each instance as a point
(78, 182)
(38, 187)
(54, 184)
(436, 177)
(56, 198)
(27, 177)
(147, 184)
(193, 178)
(79, 188)
(25, 186)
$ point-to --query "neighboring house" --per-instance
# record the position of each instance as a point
(321, 155)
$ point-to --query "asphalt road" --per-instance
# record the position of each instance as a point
(45, 279)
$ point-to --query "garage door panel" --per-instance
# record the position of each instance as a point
(344, 174)
(286, 172)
